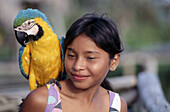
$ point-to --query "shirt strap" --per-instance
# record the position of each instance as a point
(53, 97)
(115, 102)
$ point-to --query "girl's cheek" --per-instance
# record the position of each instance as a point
(68, 65)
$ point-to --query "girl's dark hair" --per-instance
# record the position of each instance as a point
(102, 30)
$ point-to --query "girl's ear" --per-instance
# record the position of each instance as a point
(114, 62)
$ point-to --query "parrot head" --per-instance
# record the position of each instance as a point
(25, 27)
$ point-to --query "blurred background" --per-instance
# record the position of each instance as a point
(144, 26)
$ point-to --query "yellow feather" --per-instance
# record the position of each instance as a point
(45, 60)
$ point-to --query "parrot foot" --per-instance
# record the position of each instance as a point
(54, 81)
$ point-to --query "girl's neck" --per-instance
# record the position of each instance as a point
(85, 95)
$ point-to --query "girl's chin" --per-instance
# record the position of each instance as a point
(82, 85)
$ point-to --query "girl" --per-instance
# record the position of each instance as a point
(92, 48)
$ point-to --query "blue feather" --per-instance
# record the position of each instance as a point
(63, 55)
(21, 50)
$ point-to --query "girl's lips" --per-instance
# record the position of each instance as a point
(79, 78)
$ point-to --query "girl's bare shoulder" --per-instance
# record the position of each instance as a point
(36, 100)
(123, 105)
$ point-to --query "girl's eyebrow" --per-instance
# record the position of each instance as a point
(71, 49)
(88, 52)
(92, 52)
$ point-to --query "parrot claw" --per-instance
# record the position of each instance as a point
(54, 81)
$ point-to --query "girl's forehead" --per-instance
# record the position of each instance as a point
(85, 44)
(83, 41)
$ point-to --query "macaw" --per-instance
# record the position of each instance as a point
(40, 56)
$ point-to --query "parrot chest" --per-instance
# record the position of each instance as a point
(45, 58)
(46, 62)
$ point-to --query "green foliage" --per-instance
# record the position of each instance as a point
(143, 35)
(164, 75)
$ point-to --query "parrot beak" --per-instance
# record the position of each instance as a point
(22, 37)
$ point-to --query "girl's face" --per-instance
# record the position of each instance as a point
(86, 64)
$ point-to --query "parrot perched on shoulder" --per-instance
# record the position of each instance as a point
(40, 56)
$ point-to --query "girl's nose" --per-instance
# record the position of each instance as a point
(79, 64)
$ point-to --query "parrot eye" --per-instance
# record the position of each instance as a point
(29, 23)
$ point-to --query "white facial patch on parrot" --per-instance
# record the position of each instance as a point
(28, 27)
(33, 30)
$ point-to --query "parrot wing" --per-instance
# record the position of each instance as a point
(62, 47)
(63, 56)
(24, 61)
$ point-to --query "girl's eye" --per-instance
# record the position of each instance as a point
(91, 58)
(71, 56)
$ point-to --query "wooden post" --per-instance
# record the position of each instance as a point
(123, 82)
(151, 93)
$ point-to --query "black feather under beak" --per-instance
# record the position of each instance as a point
(22, 37)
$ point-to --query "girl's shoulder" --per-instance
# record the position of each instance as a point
(36, 100)
(123, 105)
